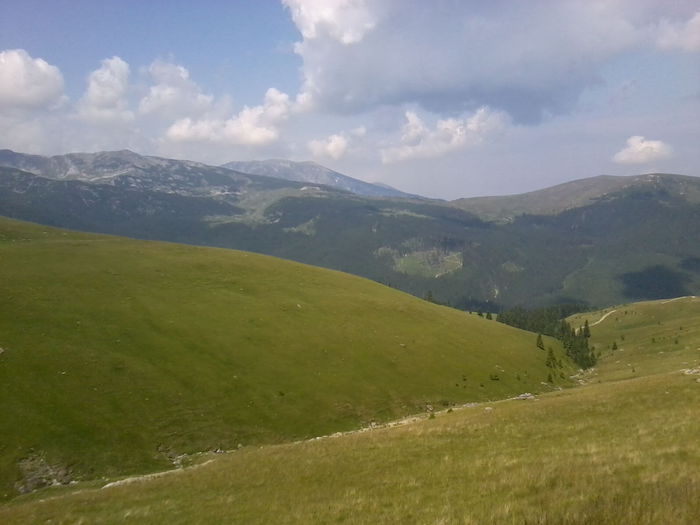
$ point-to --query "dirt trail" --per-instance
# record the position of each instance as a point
(603, 318)
(678, 298)
(133, 479)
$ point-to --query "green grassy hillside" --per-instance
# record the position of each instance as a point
(610, 453)
(120, 355)
(621, 449)
(641, 339)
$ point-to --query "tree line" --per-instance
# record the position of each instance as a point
(551, 321)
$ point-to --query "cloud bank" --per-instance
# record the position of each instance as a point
(530, 59)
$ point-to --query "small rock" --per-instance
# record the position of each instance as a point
(488, 409)
(526, 395)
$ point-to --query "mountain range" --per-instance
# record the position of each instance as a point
(316, 174)
(597, 241)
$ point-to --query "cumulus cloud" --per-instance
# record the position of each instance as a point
(641, 151)
(419, 141)
(253, 126)
(532, 59)
(333, 146)
(28, 83)
(346, 21)
(680, 35)
(105, 100)
(174, 94)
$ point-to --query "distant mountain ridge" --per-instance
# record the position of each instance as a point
(617, 238)
(315, 173)
(130, 171)
(577, 193)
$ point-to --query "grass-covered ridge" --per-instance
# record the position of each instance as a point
(119, 355)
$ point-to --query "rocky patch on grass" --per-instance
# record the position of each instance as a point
(37, 473)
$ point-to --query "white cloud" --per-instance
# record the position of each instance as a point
(641, 151)
(28, 83)
(418, 141)
(680, 35)
(532, 59)
(254, 126)
(346, 21)
(333, 146)
(105, 99)
(174, 93)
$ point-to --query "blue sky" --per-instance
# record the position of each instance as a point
(444, 98)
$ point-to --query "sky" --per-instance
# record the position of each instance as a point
(447, 98)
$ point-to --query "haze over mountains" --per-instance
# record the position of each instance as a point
(598, 241)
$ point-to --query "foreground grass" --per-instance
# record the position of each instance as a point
(119, 356)
(623, 452)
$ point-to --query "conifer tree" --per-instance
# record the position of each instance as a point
(586, 329)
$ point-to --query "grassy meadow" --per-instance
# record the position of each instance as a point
(609, 453)
(121, 356)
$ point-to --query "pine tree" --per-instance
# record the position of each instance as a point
(586, 329)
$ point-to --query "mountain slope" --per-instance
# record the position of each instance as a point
(118, 356)
(316, 174)
(576, 194)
